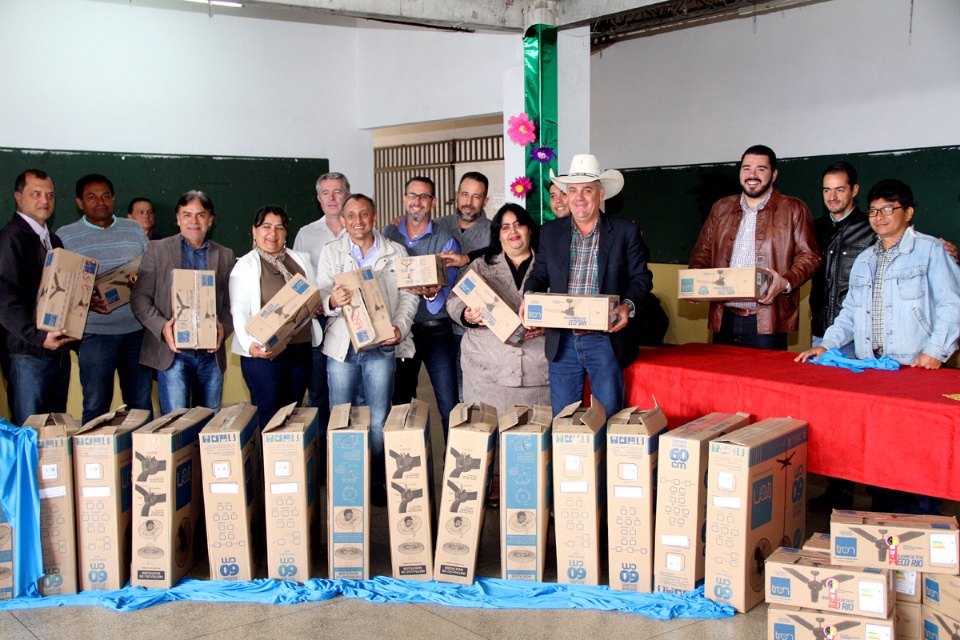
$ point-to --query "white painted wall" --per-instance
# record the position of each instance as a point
(835, 77)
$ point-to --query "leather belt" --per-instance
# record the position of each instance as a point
(583, 332)
(737, 311)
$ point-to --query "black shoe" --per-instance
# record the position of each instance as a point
(378, 495)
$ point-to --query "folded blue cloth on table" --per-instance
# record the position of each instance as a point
(835, 358)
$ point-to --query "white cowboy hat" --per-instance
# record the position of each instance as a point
(586, 168)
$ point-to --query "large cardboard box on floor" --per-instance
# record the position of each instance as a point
(410, 505)
(471, 442)
(116, 285)
(348, 492)
(285, 314)
(566, 311)
(909, 619)
(755, 503)
(807, 579)
(633, 438)
(728, 283)
(102, 463)
(421, 271)
(942, 592)
(167, 499)
(367, 316)
(193, 298)
(794, 623)
(232, 494)
(292, 495)
(6, 558)
(579, 441)
(58, 523)
(889, 540)
(525, 491)
(681, 509)
(499, 314)
(66, 286)
(938, 624)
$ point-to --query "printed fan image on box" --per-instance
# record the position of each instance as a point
(287, 312)
(66, 286)
(193, 299)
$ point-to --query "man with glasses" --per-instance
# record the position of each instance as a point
(432, 330)
(112, 340)
(762, 228)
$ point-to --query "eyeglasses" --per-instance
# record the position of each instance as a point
(887, 211)
(426, 197)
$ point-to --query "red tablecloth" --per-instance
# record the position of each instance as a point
(892, 429)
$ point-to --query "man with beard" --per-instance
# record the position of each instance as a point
(759, 228)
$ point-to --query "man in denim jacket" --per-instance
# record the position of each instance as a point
(904, 294)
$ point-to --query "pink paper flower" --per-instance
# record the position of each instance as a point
(542, 154)
(521, 186)
(522, 131)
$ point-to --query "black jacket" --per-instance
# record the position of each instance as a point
(840, 244)
(21, 265)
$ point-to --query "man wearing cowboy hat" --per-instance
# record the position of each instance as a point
(762, 228)
(590, 253)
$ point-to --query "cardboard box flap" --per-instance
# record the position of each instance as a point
(296, 420)
(232, 417)
(529, 418)
(52, 425)
(345, 416)
(476, 416)
(710, 426)
(163, 422)
(120, 419)
(575, 418)
(648, 422)
(177, 421)
(934, 523)
(408, 416)
(280, 417)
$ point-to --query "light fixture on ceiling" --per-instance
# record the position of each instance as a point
(219, 3)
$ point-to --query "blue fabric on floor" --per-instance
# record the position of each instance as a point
(489, 593)
(20, 500)
(835, 358)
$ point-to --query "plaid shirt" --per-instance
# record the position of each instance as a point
(884, 258)
(745, 246)
(584, 276)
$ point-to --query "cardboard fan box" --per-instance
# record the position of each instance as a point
(633, 438)
(421, 271)
(193, 298)
(58, 532)
(410, 503)
(795, 623)
(525, 491)
(367, 316)
(755, 503)
(565, 311)
(499, 315)
(66, 286)
(116, 285)
(942, 592)
(287, 312)
(291, 493)
(167, 501)
(909, 619)
(348, 492)
(6, 558)
(103, 461)
(682, 500)
(728, 283)
(471, 442)
(889, 540)
(232, 492)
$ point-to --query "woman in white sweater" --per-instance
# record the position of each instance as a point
(274, 379)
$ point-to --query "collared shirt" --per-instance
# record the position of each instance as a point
(584, 275)
(434, 306)
(372, 253)
(90, 225)
(745, 246)
(313, 237)
(42, 231)
(884, 258)
(194, 258)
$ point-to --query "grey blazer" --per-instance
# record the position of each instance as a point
(151, 297)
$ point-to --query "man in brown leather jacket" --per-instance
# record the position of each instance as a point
(759, 227)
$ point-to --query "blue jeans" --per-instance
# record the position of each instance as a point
(437, 349)
(193, 371)
(37, 384)
(273, 384)
(848, 350)
(101, 357)
(741, 331)
(578, 356)
(366, 378)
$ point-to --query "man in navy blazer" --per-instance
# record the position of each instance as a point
(589, 253)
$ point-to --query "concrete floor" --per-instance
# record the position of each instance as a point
(344, 618)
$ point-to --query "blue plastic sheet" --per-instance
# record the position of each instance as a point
(20, 500)
(835, 358)
(489, 593)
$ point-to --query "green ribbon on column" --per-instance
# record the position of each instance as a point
(540, 102)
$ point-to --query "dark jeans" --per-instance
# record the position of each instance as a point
(193, 380)
(273, 384)
(103, 355)
(741, 331)
(319, 397)
(581, 355)
(37, 384)
(437, 349)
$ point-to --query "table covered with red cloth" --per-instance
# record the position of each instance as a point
(893, 429)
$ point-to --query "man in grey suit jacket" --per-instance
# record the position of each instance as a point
(182, 371)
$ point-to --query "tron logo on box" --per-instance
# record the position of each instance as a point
(844, 547)
(784, 632)
(780, 587)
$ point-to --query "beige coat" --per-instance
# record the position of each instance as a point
(498, 374)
